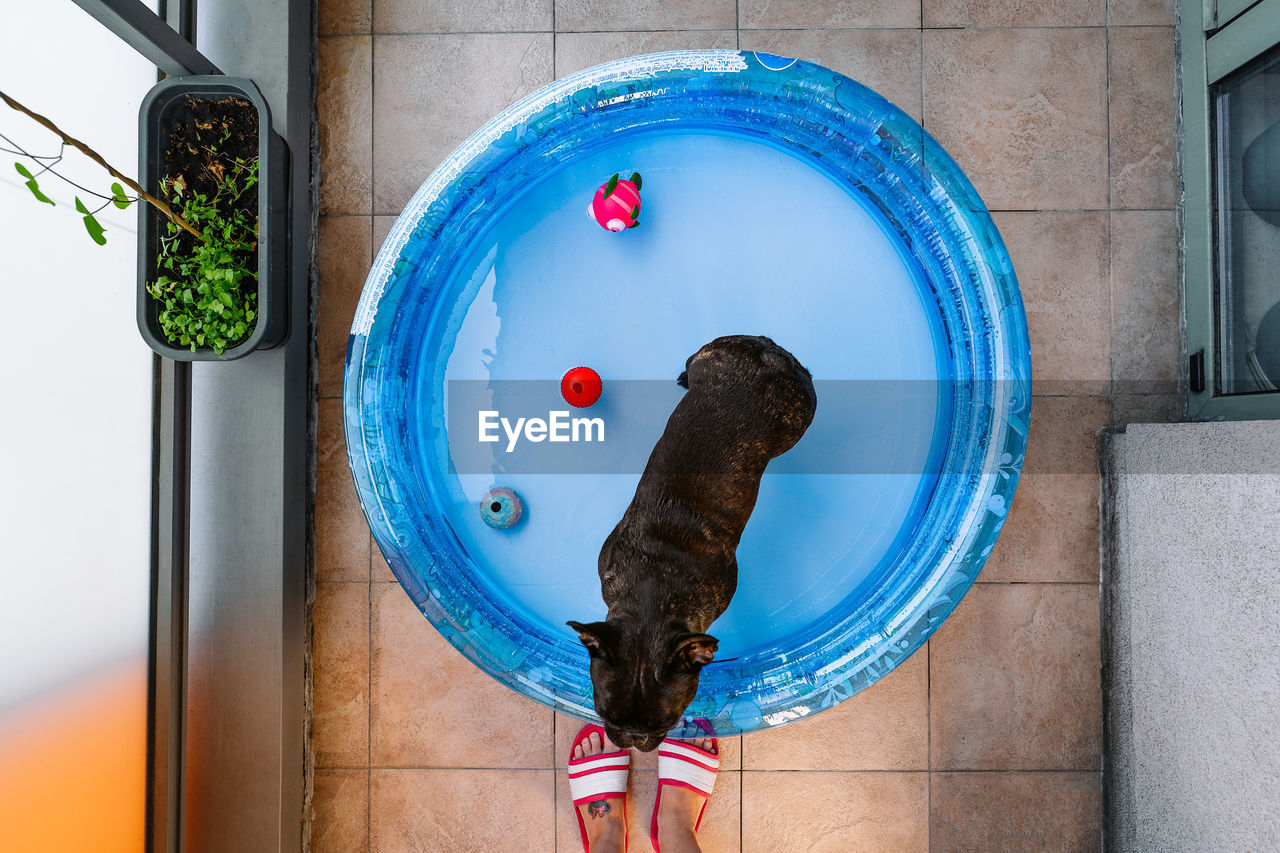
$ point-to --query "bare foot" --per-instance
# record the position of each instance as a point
(606, 830)
(679, 809)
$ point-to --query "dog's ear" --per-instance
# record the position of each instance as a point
(695, 650)
(600, 638)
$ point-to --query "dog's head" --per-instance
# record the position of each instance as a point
(643, 684)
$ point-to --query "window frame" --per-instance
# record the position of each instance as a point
(1211, 49)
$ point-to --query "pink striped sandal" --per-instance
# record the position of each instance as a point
(684, 765)
(597, 777)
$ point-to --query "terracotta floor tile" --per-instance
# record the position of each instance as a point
(819, 14)
(1015, 677)
(429, 701)
(344, 117)
(1144, 110)
(460, 16)
(887, 61)
(342, 535)
(1051, 533)
(1145, 289)
(640, 15)
(575, 51)
(1063, 265)
(343, 258)
(1011, 13)
(721, 826)
(835, 812)
(344, 17)
(381, 229)
(341, 808)
(1023, 111)
(567, 729)
(1016, 811)
(379, 571)
(340, 650)
(433, 91)
(1129, 13)
(462, 811)
(885, 727)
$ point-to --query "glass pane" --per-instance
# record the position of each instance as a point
(75, 507)
(1247, 226)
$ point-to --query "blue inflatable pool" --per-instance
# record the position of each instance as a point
(779, 198)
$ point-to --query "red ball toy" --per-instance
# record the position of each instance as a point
(581, 387)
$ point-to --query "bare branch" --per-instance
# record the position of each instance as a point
(158, 204)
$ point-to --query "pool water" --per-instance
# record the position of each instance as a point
(544, 289)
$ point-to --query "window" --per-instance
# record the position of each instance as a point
(1231, 163)
(1246, 156)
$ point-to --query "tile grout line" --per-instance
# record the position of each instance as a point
(864, 771)
(928, 646)
(928, 702)
(746, 29)
(373, 76)
(1111, 297)
(555, 787)
(368, 757)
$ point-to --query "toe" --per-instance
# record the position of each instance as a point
(577, 751)
(593, 741)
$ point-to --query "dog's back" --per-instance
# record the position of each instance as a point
(760, 380)
(749, 400)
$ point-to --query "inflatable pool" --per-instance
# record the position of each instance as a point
(779, 198)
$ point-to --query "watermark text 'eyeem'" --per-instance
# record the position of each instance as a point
(558, 426)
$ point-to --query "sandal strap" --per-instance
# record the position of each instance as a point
(687, 766)
(599, 777)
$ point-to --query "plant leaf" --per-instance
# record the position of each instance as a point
(32, 185)
(120, 200)
(90, 224)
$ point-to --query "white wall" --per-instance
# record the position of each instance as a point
(74, 373)
(1192, 615)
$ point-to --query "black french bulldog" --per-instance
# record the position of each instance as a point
(669, 568)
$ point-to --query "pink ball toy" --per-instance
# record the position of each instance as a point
(617, 204)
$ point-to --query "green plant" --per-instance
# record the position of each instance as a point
(207, 288)
(207, 275)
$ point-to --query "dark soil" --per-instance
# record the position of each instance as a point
(198, 128)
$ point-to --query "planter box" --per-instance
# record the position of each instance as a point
(157, 117)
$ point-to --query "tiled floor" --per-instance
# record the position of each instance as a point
(987, 739)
